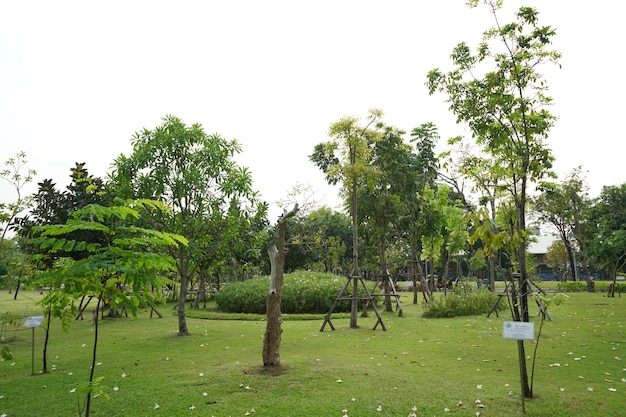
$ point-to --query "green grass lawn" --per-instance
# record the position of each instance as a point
(426, 367)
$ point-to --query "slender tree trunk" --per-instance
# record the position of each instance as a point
(45, 342)
(182, 298)
(93, 357)
(355, 273)
(385, 274)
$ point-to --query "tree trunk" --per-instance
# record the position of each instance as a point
(273, 330)
(385, 275)
(182, 298)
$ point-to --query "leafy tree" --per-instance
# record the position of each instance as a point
(564, 205)
(415, 223)
(17, 174)
(382, 200)
(319, 241)
(210, 197)
(557, 257)
(123, 264)
(607, 230)
(505, 109)
(345, 159)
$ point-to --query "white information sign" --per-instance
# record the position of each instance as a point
(33, 321)
(518, 330)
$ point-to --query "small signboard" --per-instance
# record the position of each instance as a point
(33, 321)
(518, 330)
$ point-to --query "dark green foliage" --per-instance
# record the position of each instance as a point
(462, 303)
(303, 293)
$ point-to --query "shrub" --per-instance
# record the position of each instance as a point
(303, 293)
(572, 286)
(462, 303)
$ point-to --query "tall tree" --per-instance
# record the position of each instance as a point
(505, 109)
(565, 205)
(345, 159)
(606, 233)
(415, 223)
(196, 176)
(383, 199)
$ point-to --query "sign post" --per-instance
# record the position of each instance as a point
(32, 322)
(520, 331)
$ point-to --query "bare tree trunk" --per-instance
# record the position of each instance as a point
(273, 330)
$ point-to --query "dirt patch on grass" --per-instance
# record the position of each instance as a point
(268, 370)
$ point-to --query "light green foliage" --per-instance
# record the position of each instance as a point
(122, 260)
(17, 174)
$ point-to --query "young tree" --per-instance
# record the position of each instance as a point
(17, 174)
(505, 108)
(196, 176)
(122, 265)
(345, 159)
(382, 200)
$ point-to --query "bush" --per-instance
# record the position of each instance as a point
(572, 286)
(303, 293)
(603, 286)
(462, 303)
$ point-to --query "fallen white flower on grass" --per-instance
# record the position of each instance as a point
(123, 374)
(193, 407)
(562, 389)
(116, 388)
(156, 406)
(613, 389)
(446, 410)
(339, 380)
(379, 408)
(479, 386)
(73, 390)
(201, 374)
(590, 389)
(205, 394)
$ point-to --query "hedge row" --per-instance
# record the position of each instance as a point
(462, 303)
(303, 293)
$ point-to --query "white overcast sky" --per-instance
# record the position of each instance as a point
(78, 78)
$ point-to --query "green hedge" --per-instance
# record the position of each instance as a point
(463, 303)
(303, 293)
(581, 286)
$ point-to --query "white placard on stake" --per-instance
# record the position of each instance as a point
(518, 330)
(33, 321)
